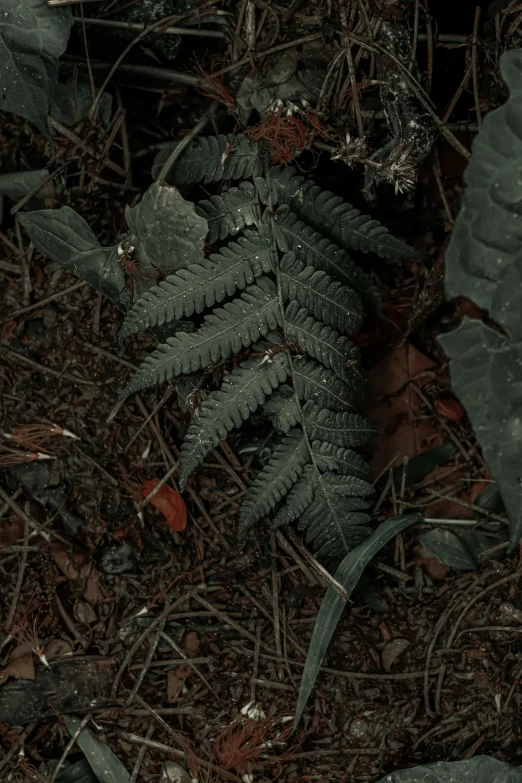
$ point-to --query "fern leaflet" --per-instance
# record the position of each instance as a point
(229, 213)
(227, 330)
(242, 392)
(201, 285)
(211, 159)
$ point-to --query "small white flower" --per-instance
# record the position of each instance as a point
(253, 711)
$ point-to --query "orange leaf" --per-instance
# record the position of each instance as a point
(169, 502)
(450, 408)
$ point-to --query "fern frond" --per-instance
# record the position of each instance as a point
(211, 159)
(331, 215)
(348, 430)
(334, 525)
(294, 236)
(335, 459)
(275, 480)
(312, 381)
(327, 300)
(227, 330)
(297, 500)
(230, 212)
(241, 393)
(201, 285)
(326, 345)
(283, 409)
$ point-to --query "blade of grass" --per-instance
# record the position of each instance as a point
(348, 575)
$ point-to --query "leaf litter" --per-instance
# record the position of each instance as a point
(207, 626)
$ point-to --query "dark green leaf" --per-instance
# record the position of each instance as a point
(481, 769)
(169, 234)
(72, 102)
(106, 766)
(32, 38)
(65, 237)
(348, 574)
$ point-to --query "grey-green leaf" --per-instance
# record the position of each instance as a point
(211, 159)
(241, 393)
(480, 769)
(170, 234)
(201, 285)
(228, 329)
(230, 212)
(65, 237)
(348, 575)
(104, 763)
(32, 38)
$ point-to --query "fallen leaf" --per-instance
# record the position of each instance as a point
(175, 679)
(169, 502)
(84, 613)
(392, 650)
(21, 665)
(93, 592)
(191, 642)
(71, 564)
(450, 408)
(402, 432)
(433, 567)
(57, 648)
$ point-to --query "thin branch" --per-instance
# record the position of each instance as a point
(185, 141)
(109, 23)
(474, 64)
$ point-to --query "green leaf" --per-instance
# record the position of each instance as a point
(313, 382)
(329, 214)
(104, 763)
(211, 159)
(227, 330)
(275, 480)
(32, 38)
(487, 235)
(201, 285)
(331, 458)
(348, 575)
(65, 237)
(18, 184)
(486, 374)
(327, 300)
(72, 101)
(480, 769)
(230, 212)
(169, 234)
(292, 235)
(283, 409)
(346, 430)
(326, 345)
(241, 393)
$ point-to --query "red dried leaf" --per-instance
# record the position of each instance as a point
(169, 502)
(450, 408)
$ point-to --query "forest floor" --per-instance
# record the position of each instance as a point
(183, 646)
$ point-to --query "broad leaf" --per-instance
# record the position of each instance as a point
(72, 101)
(32, 38)
(65, 237)
(484, 263)
(169, 233)
(481, 769)
(348, 575)
(104, 763)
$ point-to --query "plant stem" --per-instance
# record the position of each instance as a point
(109, 23)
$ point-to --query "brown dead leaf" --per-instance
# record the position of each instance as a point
(175, 679)
(396, 414)
(191, 643)
(93, 592)
(57, 648)
(84, 613)
(432, 566)
(12, 531)
(71, 564)
(20, 664)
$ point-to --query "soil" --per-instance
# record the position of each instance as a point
(194, 645)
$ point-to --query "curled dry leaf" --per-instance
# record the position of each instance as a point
(450, 408)
(169, 502)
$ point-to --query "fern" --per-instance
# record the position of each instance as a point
(229, 213)
(227, 330)
(202, 285)
(304, 295)
(211, 159)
